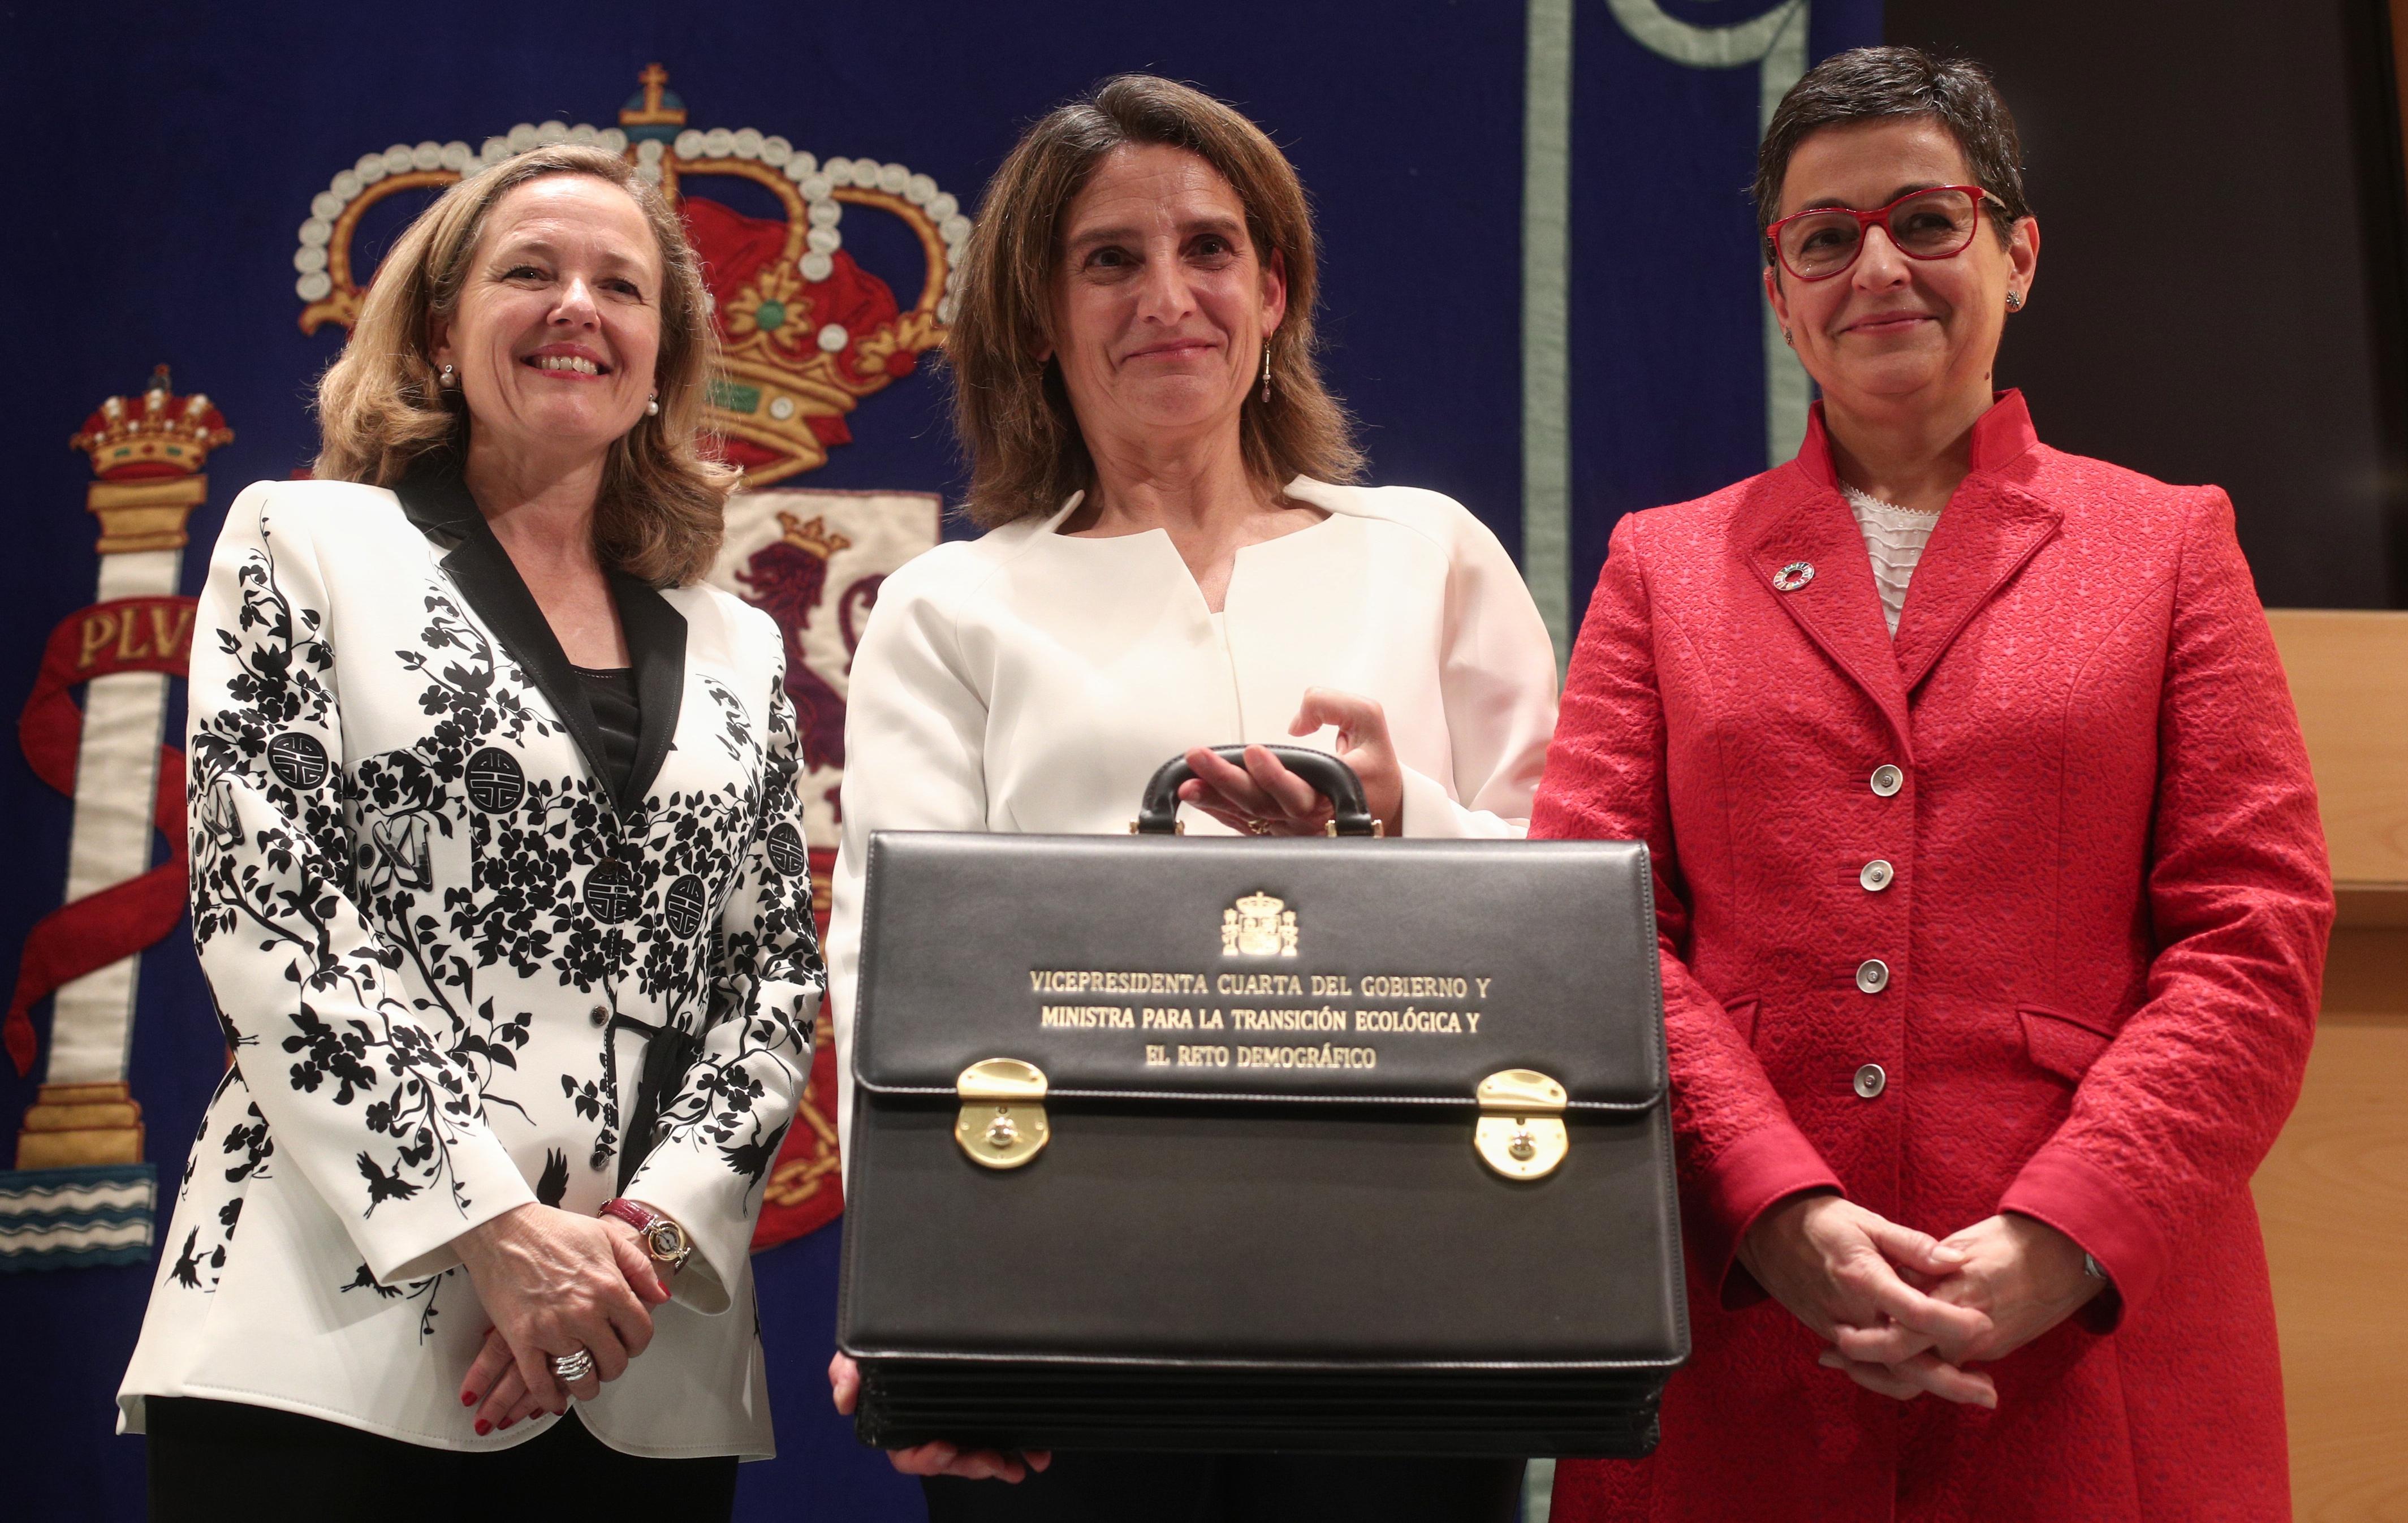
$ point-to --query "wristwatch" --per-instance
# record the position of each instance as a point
(663, 1238)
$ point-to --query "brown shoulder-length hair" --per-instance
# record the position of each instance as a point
(381, 412)
(1026, 453)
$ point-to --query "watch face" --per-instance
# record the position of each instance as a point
(665, 1240)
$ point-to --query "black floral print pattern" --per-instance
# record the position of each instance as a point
(427, 908)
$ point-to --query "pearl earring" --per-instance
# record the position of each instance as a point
(447, 377)
(1267, 370)
(652, 407)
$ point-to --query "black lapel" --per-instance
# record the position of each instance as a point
(438, 501)
(656, 645)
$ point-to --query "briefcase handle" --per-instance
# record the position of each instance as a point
(1157, 812)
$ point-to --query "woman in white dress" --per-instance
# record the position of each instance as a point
(1175, 559)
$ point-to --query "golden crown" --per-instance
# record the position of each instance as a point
(1257, 904)
(812, 535)
(155, 434)
(805, 332)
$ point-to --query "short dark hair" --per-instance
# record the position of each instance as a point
(1868, 84)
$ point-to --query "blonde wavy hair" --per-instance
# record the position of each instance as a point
(1013, 417)
(381, 412)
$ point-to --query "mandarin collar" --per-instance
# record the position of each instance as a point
(2001, 435)
(1330, 498)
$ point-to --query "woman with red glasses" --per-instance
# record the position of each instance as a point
(1992, 897)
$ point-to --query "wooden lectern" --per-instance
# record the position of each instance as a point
(2334, 1191)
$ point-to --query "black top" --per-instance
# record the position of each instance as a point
(619, 714)
(439, 503)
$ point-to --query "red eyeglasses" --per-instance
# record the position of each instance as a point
(1824, 242)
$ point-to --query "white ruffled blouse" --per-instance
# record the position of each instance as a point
(1894, 537)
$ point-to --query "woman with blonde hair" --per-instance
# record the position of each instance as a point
(498, 884)
(1176, 558)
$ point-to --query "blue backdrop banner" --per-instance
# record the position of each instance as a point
(1542, 299)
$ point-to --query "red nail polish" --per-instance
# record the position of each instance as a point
(506, 1424)
(468, 1399)
(483, 1428)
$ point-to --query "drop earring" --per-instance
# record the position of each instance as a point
(1267, 370)
(448, 378)
(653, 407)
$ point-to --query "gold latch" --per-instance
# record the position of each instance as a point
(1521, 1132)
(1002, 1124)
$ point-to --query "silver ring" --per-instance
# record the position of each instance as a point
(572, 1368)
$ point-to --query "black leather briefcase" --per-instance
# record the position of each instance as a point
(1343, 1145)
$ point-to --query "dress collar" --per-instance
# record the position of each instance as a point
(2000, 435)
(435, 500)
(1329, 499)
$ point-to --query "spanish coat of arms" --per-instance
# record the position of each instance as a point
(807, 332)
(1258, 925)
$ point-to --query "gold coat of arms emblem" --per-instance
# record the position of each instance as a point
(1258, 925)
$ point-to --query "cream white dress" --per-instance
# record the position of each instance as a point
(1032, 681)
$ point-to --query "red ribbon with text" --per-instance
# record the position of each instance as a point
(130, 633)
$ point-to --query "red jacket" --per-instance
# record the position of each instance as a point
(2103, 928)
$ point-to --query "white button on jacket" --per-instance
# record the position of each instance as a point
(1032, 681)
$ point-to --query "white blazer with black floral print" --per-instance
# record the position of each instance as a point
(448, 950)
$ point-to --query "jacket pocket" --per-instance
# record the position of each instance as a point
(2066, 1045)
(1742, 1014)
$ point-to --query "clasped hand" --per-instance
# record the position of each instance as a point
(1263, 797)
(554, 1282)
(1906, 1314)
